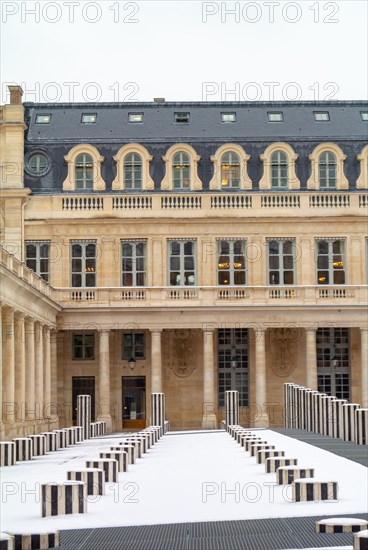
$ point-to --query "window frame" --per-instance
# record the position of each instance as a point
(39, 173)
(324, 181)
(182, 257)
(341, 180)
(270, 115)
(84, 260)
(230, 341)
(182, 117)
(265, 182)
(333, 354)
(45, 275)
(364, 116)
(69, 183)
(224, 114)
(83, 335)
(131, 116)
(281, 269)
(319, 116)
(280, 168)
(132, 347)
(330, 257)
(85, 115)
(39, 117)
(134, 272)
(84, 166)
(167, 183)
(232, 255)
(135, 167)
(216, 180)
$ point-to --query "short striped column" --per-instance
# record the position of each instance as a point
(138, 445)
(51, 441)
(23, 448)
(349, 420)
(155, 431)
(285, 475)
(70, 436)
(158, 409)
(94, 429)
(152, 436)
(361, 540)
(301, 408)
(79, 434)
(318, 413)
(232, 407)
(160, 430)
(260, 447)
(329, 419)
(275, 462)
(263, 454)
(7, 453)
(6, 541)
(337, 428)
(120, 456)
(324, 414)
(246, 438)
(306, 490)
(84, 414)
(341, 525)
(36, 541)
(39, 444)
(61, 438)
(147, 437)
(249, 442)
(289, 405)
(166, 426)
(101, 427)
(361, 426)
(142, 441)
(130, 449)
(94, 478)
(241, 434)
(68, 498)
(109, 467)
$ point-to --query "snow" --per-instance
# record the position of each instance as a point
(185, 477)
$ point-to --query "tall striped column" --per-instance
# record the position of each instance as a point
(337, 426)
(158, 409)
(84, 414)
(232, 407)
(349, 421)
(361, 426)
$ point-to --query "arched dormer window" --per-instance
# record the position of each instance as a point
(181, 162)
(132, 168)
(279, 170)
(327, 168)
(230, 168)
(362, 181)
(279, 167)
(84, 169)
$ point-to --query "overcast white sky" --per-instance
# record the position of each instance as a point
(80, 50)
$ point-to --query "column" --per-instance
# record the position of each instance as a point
(1, 371)
(311, 359)
(30, 355)
(104, 379)
(20, 367)
(261, 420)
(38, 371)
(53, 374)
(209, 420)
(8, 366)
(364, 366)
(156, 361)
(46, 371)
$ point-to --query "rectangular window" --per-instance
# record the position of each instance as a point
(83, 346)
(133, 255)
(232, 345)
(330, 261)
(182, 118)
(321, 116)
(37, 258)
(89, 118)
(182, 263)
(231, 268)
(133, 345)
(83, 264)
(135, 118)
(281, 261)
(228, 117)
(43, 119)
(275, 117)
(364, 115)
(333, 361)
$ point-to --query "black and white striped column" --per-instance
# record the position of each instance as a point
(79, 434)
(337, 428)
(263, 454)
(361, 540)
(273, 463)
(51, 441)
(138, 445)
(108, 465)
(6, 541)
(7, 453)
(158, 409)
(285, 475)
(260, 447)
(361, 426)
(306, 490)
(94, 478)
(120, 456)
(61, 438)
(232, 407)
(130, 449)
(94, 429)
(249, 442)
(70, 436)
(23, 448)
(341, 525)
(39, 444)
(68, 498)
(37, 541)
(349, 421)
(84, 414)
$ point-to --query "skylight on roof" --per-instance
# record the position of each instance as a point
(135, 117)
(321, 116)
(364, 115)
(275, 116)
(228, 117)
(43, 119)
(182, 118)
(89, 118)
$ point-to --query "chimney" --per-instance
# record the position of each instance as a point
(159, 99)
(16, 93)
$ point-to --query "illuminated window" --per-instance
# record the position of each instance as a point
(330, 261)
(181, 171)
(83, 264)
(230, 170)
(228, 117)
(275, 117)
(231, 269)
(321, 116)
(135, 118)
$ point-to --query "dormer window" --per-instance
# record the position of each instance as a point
(321, 116)
(181, 171)
(364, 115)
(43, 119)
(135, 118)
(182, 118)
(89, 118)
(228, 117)
(275, 116)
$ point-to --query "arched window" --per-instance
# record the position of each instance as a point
(279, 170)
(181, 171)
(327, 170)
(133, 171)
(84, 171)
(230, 170)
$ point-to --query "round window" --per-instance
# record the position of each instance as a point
(37, 163)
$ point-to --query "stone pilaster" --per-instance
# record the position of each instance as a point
(53, 374)
(20, 367)
(104, 379)
(311, 359)
(30, 371)
(261, 420)
(209, 420)
(364, 366)
(156, 362)
(8, 366)
(46, 371)
(38, 370)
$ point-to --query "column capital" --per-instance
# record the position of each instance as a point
(20, 315)
(156, 330)
(29, 320)
(310, 329)
(363, 329)
(104, 331)
(8, 310)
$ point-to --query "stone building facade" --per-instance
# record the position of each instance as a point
(188, 248)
